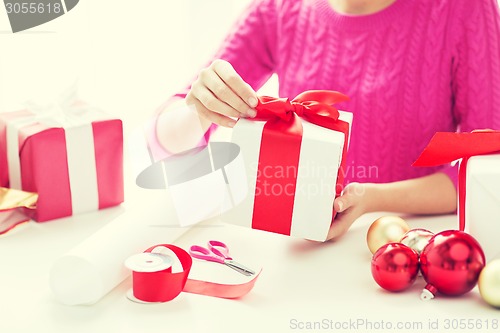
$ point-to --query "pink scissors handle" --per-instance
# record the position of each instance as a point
(219, 249)
(199, 252)
(218, 252)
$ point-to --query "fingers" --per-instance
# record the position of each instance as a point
(343, 202)
(342, 222)
(350, 197)
(339, 205)
(339, 226)
(220, 93)
(350, 206)
(214, 117)
(223, 92)
(227, 73)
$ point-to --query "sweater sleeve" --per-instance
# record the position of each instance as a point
(249, 47)
(476, 69)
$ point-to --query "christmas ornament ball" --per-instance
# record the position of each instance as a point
(394, 266)
(417, 239)
(384, 230)
(450, 263)
(489, 283)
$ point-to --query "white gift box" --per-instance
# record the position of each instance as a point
(482, 203)
(316, 179)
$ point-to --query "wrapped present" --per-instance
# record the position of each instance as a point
(68, 153)
(478, 181)
(292, 152)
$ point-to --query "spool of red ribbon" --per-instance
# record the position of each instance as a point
(154, 282)
(152, 277)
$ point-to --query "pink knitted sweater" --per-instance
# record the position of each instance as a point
(414, 68)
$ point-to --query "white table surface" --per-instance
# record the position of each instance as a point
(302, 282)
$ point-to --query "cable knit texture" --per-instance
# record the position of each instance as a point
(414, 68)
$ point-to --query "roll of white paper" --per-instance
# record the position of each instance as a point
(90, 270)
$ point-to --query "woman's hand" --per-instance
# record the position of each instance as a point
(220, 93)
(356, 199)
(432, 194)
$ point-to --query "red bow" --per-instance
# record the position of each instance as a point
(315, 106)
(448, 147)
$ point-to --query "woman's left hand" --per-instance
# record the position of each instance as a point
(356, 200)
(431, 194)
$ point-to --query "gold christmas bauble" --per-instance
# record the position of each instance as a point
(386, 229)
(489, 283)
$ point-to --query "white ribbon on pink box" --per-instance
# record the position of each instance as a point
(70, 127)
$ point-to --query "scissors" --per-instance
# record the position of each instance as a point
(218, 252)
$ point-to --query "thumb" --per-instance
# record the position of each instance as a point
(341, 203)
(348, 198)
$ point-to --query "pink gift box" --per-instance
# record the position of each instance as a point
(74, 163)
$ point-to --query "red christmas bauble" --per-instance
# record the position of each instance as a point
(395, 266)
(451, 263)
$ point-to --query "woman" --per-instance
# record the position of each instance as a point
(410, 67)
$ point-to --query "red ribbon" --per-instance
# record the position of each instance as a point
(163, 286)
(218, 289)
(447, 147)
(280, 148)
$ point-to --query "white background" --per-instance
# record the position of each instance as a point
(129, 57)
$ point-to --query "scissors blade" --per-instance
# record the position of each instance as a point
(239, 267)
